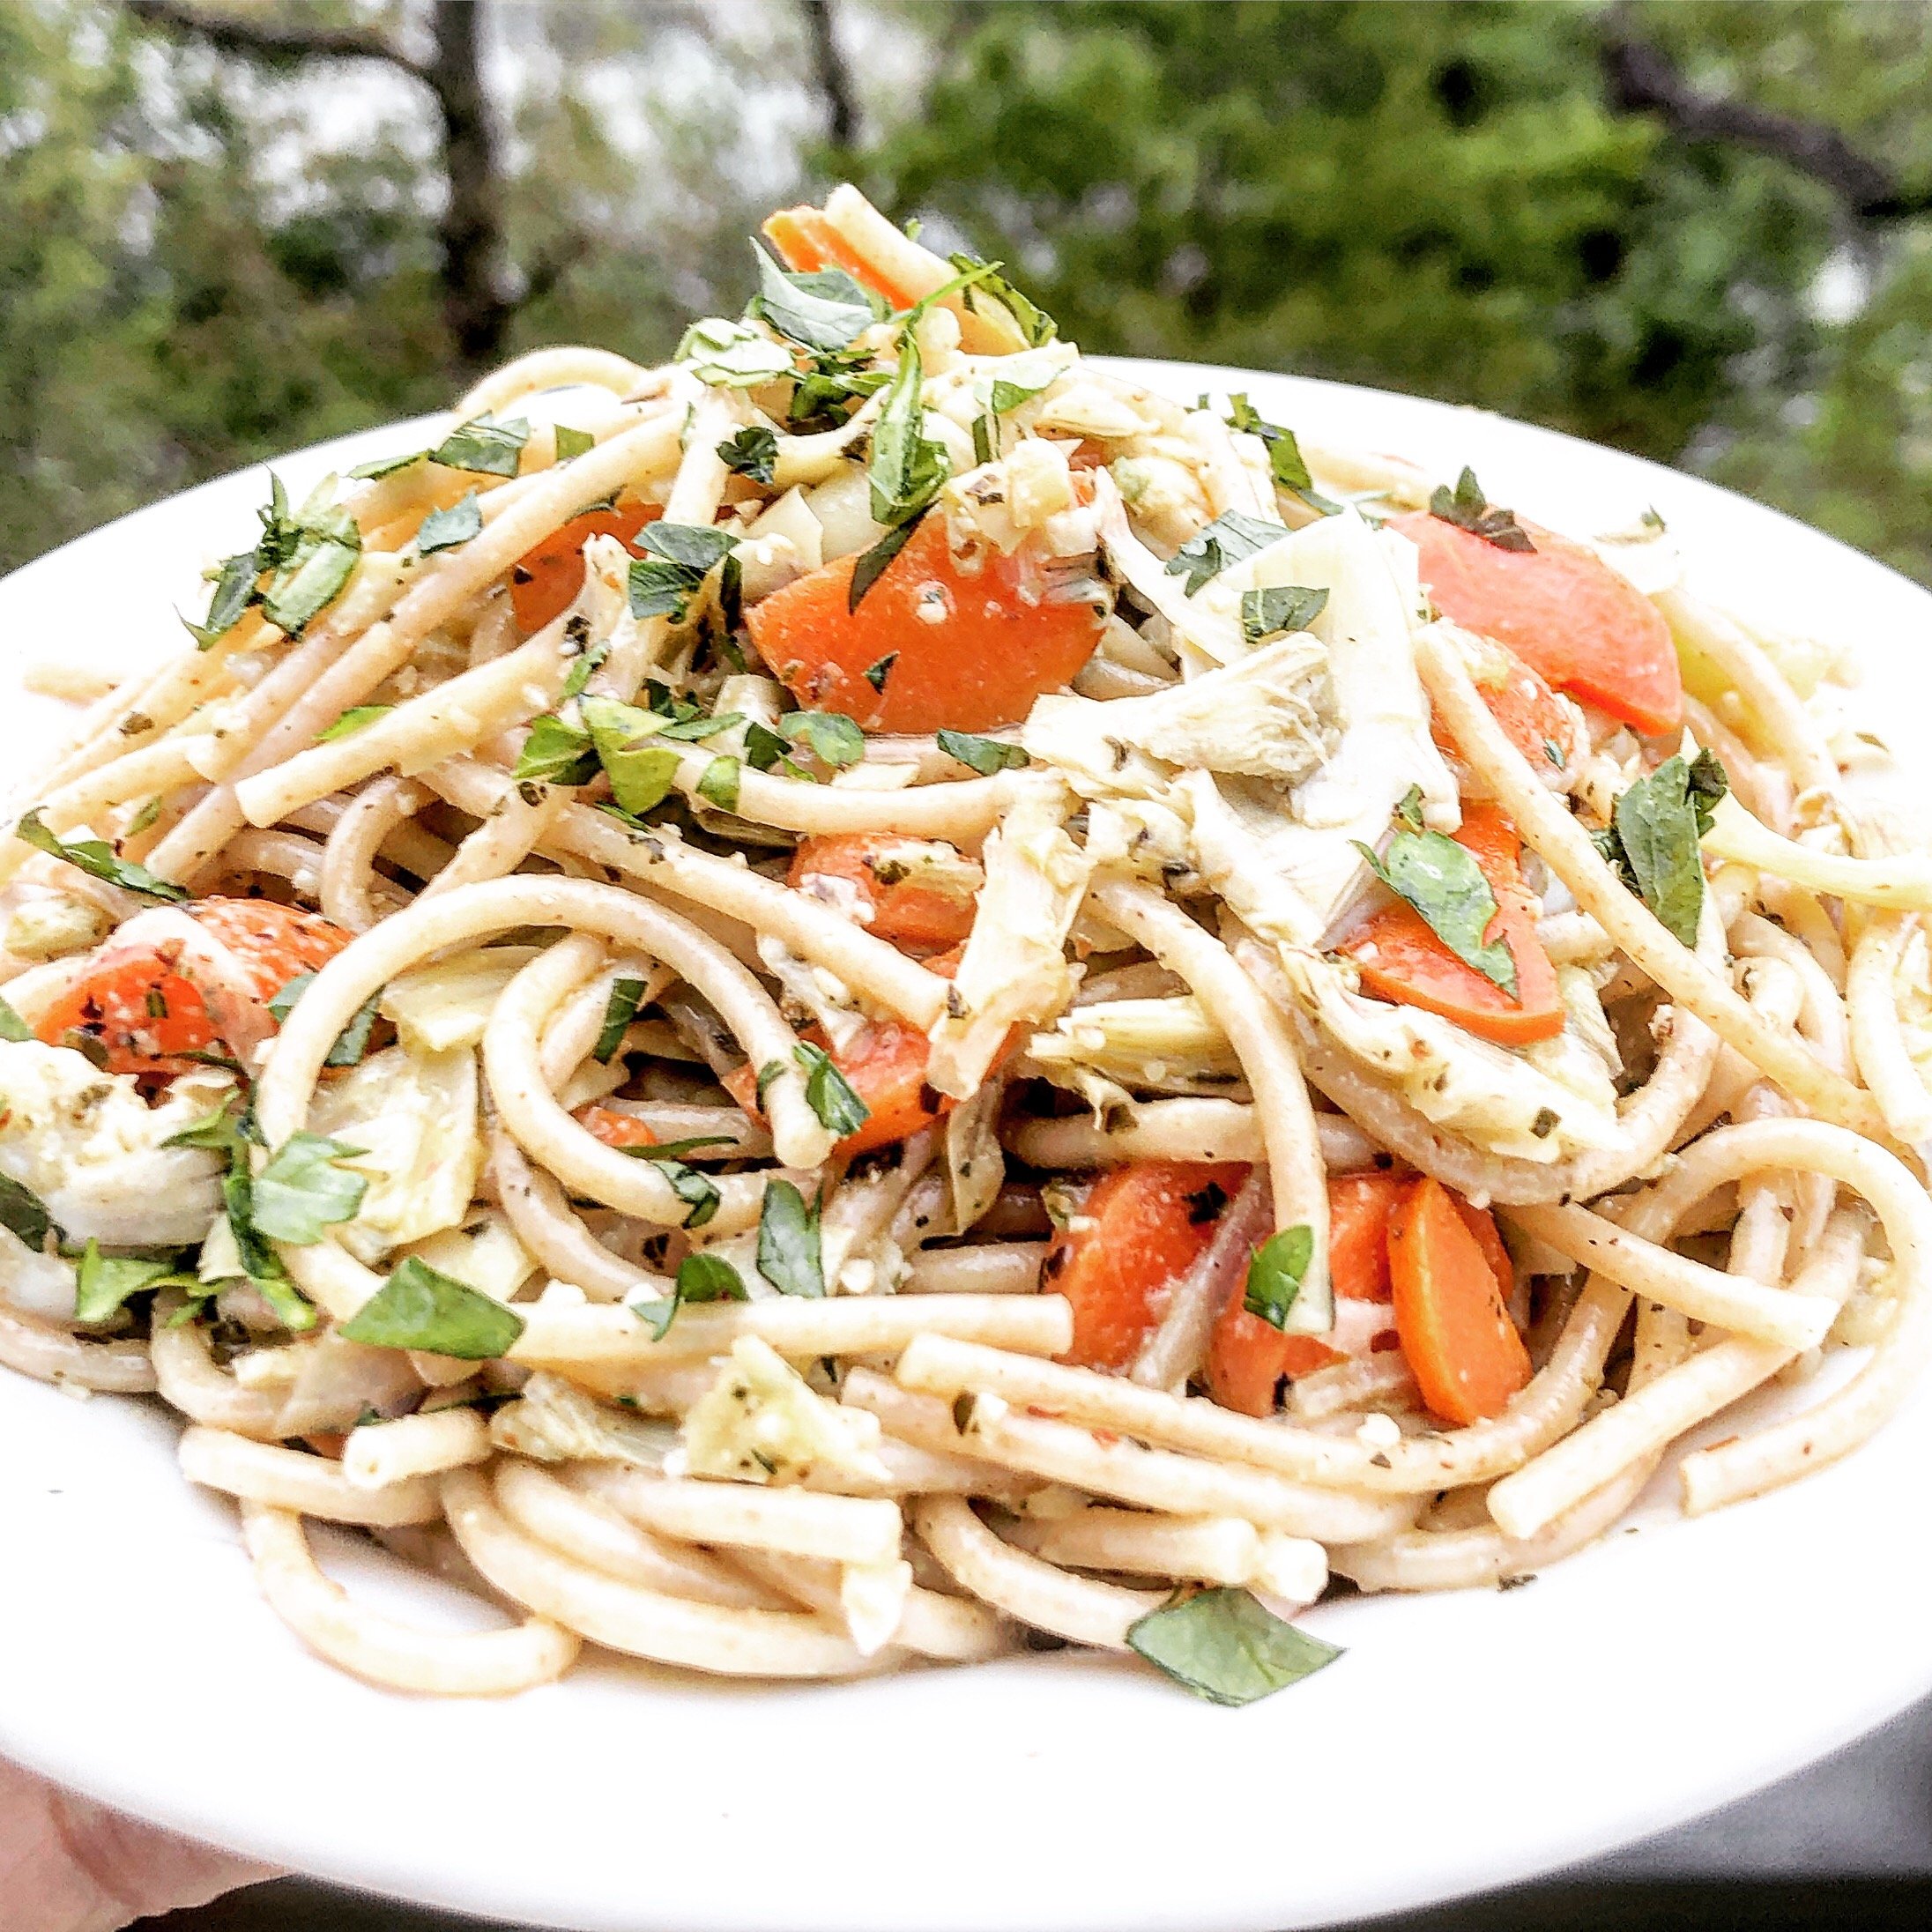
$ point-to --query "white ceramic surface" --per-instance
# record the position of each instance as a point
(1463, 1741)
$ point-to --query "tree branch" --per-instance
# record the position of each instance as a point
(835, 78)
(1640, 78)
(269, 40)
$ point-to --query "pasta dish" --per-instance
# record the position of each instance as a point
(876, 996)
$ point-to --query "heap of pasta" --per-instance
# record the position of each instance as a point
(877, 994)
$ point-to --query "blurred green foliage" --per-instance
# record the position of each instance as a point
(1433, 197)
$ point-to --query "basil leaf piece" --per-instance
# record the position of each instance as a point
(1225, 1647)
(986, 437)
(23, 1214)
(725, 354)
(420, 1307)
(367, 473)
(989, 286)
(314, 567)
(485, 446)
(572, 444)
(767, 1074)
(719, 785)
(1275, 1273)
(822, 311)
(97, 858)
(233, 592)
(694, 728)
(907, 467)
(585, 668)
(1279, 608)
(555, 753)
(872, 565)
(445, 528)
(262, 1266)
(104, 1282)
(1468, 508)
(657, 1149)
(223, 1131)
(753, 452)
(284, 1002)
(678, 557)
(353, 1040)
(788, 1254)
(763, 749)
(1445, 885)
(829, 736)
(13, 1027)
(985, 756)
(352, 721)
(1657, 827)
(640, 772)
(618, 1011)
(700, 1278)
(698, 1191)
(302, 1190)
(876, 675)
(1228, 539)
(1408, 810)
(828, 1092)
(1285, 460)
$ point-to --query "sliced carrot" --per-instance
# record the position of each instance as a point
(1481, 1223)
(1462, 1348)
(911, 915)
(885, 1065)
(807, 241)
(1139, 1229)
(151, 1003)
(1247, 1357)
(948, 646)
(1360, 1208)
(1562, 610)
(1532, 716)
(544, 580)
(613, 1128)
(1401, 960)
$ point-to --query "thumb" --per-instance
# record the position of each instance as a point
(70, 1865)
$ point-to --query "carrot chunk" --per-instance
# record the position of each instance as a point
(547, 578)
(1139, 1229)
(946, 647)
(913, 916)
(1562, 610)
(153, 1003)
(1247, 1356)
(1461, 1346)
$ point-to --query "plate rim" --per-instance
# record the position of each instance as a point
(1239, 1906)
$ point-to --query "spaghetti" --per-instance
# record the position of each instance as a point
(876, 992)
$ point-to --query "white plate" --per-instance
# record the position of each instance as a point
(1463, 1742)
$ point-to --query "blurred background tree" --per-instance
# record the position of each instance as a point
(1698, 230)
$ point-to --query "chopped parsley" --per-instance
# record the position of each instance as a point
(445, 528)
